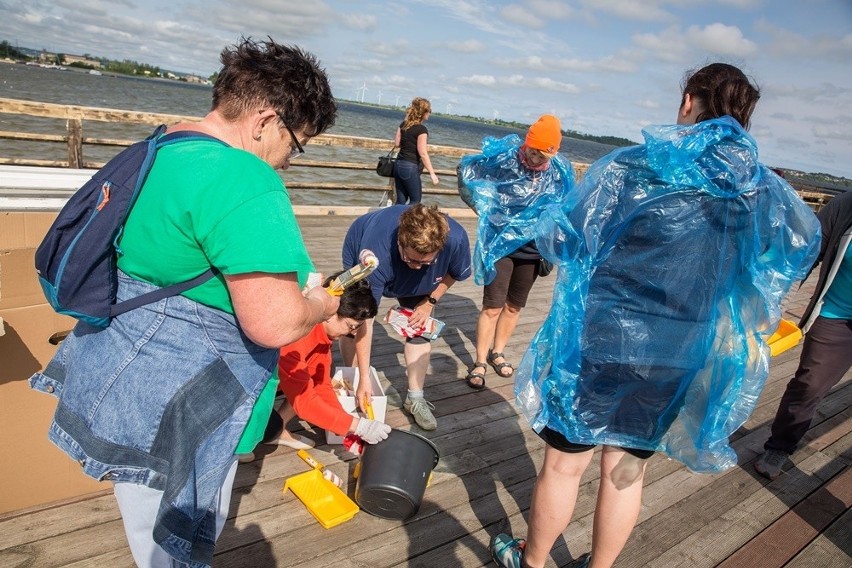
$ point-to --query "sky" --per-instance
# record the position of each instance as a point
(604, 67)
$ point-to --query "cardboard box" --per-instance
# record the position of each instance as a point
(19, 286)
(380, 401)
(33, 471)
(23, 229)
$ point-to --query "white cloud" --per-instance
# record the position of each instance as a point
(836, 132)
(551, 85)
(647, 103)
(361, 22)
(743, 4)
(668, 45)
(483, 80)
(517, 14)
(787, 43)
(522, 82)
(467, 46)
(476, 14)
(721, 39)
(644, 11)
(385, 48)
(552, 64)
(552, 9)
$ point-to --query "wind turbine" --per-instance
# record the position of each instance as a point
(363, 90)
(380, 97)
(496, 114)
(449, 108)
(397, 101)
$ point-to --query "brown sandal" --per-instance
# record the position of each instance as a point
(472, 376)
(498, 367)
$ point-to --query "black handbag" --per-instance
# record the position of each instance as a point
(545, 267)
(386, 163)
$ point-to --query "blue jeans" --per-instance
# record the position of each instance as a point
(409, 188)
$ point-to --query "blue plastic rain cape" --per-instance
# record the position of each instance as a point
(673, 259)
(508, 198)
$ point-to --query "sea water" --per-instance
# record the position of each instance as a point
(77, 87)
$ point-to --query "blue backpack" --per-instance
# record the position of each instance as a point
(77, 260)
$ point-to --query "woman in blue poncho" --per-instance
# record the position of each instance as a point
(673, 258)
(509, 185)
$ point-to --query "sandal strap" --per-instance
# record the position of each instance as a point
(479, 364)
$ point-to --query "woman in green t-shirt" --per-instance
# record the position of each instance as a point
(156, 402)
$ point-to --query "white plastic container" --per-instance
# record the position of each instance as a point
(380, 401)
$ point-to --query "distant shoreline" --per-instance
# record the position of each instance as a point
(608, 140)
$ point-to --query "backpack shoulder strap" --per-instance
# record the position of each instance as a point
(161, 293)
(185, 136)
(159, 140)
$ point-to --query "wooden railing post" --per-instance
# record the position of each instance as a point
(75, 143)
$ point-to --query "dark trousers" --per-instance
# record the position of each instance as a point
(826, 356)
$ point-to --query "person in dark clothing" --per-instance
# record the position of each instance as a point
(411, 139)
(827, 352)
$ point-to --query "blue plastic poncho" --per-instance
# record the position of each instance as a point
(509, 198)
(673, 259)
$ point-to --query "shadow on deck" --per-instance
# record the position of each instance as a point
(483, 483)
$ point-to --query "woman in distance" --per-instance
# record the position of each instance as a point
(412, 140)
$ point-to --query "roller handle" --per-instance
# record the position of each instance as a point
(309, 460)
(368, 407)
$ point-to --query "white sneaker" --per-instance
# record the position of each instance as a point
(245, 458)
(295, 441)
(420, 409)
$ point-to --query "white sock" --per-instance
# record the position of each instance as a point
(414, 394)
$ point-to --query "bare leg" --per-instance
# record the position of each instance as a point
(506, 326)
(553, 500)
(417, 363)
(485, 326)
(286, 412)
(619, 501)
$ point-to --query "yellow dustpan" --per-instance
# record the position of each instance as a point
(785, 337)
(325, 501)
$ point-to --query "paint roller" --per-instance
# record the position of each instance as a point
(367, 263)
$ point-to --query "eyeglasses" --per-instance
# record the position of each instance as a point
(298, 150)
(537, 155)
(407, 260)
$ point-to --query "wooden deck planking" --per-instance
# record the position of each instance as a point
(797, 527)
(483, 483)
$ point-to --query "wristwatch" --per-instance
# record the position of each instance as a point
(431, 300)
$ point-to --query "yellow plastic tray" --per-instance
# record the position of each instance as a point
(785, 337)
(325, 501)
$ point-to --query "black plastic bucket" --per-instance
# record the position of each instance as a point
(394, 474)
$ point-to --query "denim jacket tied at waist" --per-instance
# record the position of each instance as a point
(159, 398)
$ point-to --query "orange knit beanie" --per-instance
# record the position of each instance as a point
(545, 135)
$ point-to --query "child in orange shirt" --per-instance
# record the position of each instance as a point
(304, 371)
